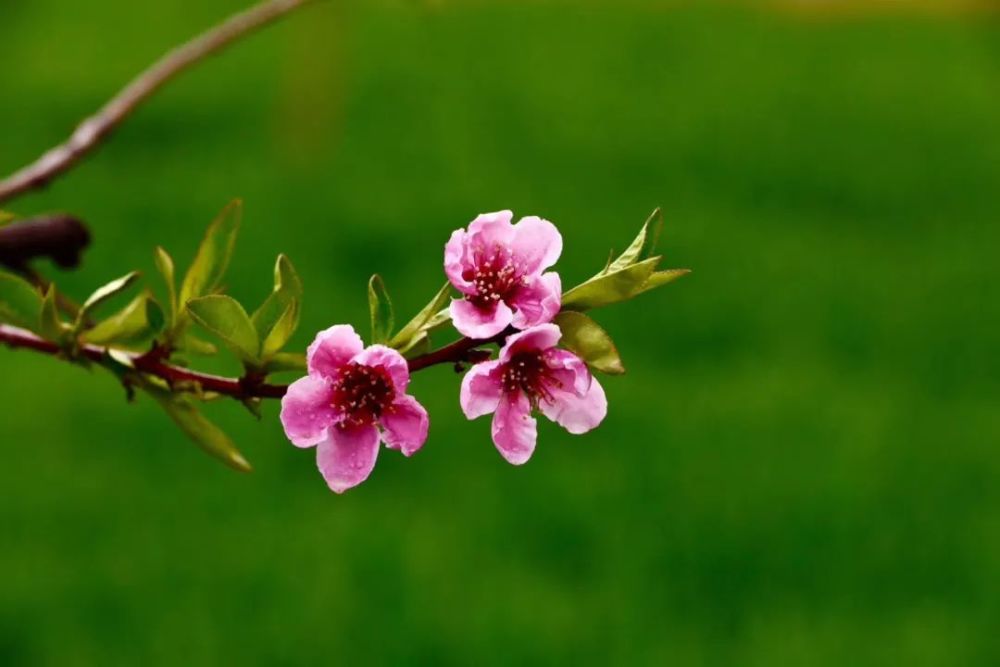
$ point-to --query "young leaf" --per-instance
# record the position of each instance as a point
(278, 317)
(50, 326)
(214, 253)
(585, 338)
(253, 406)
(20, 302)
(602, 290)
(130, 324)
(281, 332)
(285, 361)
(420, 344)
(154, 316)
(380, 307)
(225, 317)
(188, 342)
(204, 433)
(101, 295)
(643, 243)
(408, 335)
(661, 278)
(165, 265)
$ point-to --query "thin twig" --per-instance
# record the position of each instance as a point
(465, 350)
(92, 130)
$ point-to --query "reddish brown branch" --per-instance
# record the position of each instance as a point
(461, 351)
(92, 130)
(60, 237)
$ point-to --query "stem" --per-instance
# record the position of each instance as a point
(152, 363)
(94, 129)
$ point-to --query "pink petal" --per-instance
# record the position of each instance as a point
(514, 429)
(570, 370)
(347, 456)
(476, 322)
(536, 243)
(489, 229)
(577, 414)
(538, 301)
(456, 261)
(535, 339)
(405, 425)
(481, 389)
(306, 411)
(333, 348)
(389, 359)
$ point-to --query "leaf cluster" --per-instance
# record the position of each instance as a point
(167, 329)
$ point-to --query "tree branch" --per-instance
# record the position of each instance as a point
(94, 129)
(465, 350)
(59, 237)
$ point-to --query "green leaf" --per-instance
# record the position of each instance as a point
(155, 316)
(165, 265)
(214, 253)
(585, 338)
(380, 307)
(630, 274)
(6, 217)
(641, 246)
(101, 295)
(285, 361)
(224, 316)
(661, 278)
(278, 317)
(50, 326)
(130, 324)
(253, 406)
(188, 342)
(204, 433)
(608, 288)
(281, 332)
(20, 302)
(421, 344)
(416, 328)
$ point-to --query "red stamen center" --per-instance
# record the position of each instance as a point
(496, 275)
(529, 372)
(362, 393)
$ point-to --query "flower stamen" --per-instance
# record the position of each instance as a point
(362, 393)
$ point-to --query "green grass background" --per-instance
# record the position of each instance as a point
(800, 467)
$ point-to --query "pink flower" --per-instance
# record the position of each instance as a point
(498, 268)
(352, 398)
(532, 373)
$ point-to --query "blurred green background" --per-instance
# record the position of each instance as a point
(799, 468)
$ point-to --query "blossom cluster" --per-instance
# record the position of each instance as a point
(355, 398)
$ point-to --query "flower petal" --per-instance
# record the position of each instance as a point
(514, 429)
(347, 456)
(405, 425)
(569, 369)
(476, 322)
(538, 301)
(489, 229)
(535, 339)
(481, 389)
(389, 359)
(577, 414)
(536, 243)
(306, 411)
(457, 261)
(333, 348)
